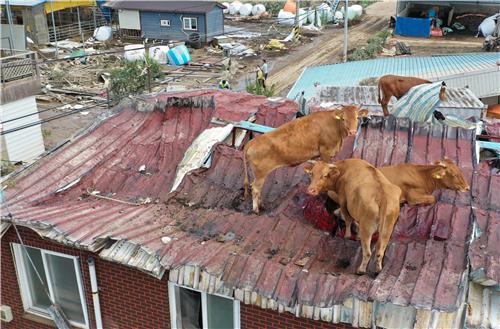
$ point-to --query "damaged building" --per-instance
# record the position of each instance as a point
(126, 218)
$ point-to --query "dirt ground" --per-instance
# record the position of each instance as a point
(285, 66)
(328, 47)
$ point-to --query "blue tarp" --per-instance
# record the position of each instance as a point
(413, 27)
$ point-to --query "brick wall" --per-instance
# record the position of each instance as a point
(129, 298)
(253, 317)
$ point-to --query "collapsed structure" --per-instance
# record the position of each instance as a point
(107, 195)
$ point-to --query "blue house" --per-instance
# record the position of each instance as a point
(196, 22)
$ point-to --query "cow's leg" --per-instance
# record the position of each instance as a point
(416, 197)
(385, 100)
(257, 185)
(325, 153)
(347, 220)
(383, 239)
(365, 235)
(333, 195)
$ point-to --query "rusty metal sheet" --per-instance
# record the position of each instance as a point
(206, 235)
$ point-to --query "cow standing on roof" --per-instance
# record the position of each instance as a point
(398, 86)
(365, 197)
(318, 134)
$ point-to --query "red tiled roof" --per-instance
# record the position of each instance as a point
(425, 265)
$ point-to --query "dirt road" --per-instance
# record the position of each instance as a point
(328, 48)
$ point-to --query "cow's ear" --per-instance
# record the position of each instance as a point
(363, 113)
(308, 168)
(439, 174)
(440, 163)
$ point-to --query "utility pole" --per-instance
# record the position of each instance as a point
(297, 6)
(346, 26)
(9, 19)
(54, 29)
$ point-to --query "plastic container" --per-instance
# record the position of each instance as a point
(179, 55)
(134, 53)
(357, 9)
(159, 54)
(234, 7)
(258, 9)
(103, 33)
(246, 10)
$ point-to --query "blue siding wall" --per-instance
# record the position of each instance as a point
(150, 26)
(215, 23)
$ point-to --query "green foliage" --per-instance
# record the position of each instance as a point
(257, 89)
(7, 167)
(46, 132)
(372, 49)
(372, 81)
(132, 77)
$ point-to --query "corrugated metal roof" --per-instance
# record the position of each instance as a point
(25, 3)
(185, 6)
(205, 235)
(434, 68)
(459, 102)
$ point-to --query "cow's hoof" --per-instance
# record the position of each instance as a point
(360, 272)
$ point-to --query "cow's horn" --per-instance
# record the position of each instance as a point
(332, 165)
(313, 162)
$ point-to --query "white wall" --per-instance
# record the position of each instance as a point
(25, 144)
(129, 19)
(19, 36)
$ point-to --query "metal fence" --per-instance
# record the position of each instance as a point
(20, 65)
(85, 28)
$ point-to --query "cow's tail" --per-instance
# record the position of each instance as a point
(379, 94)
(246, 183)
(382, 211)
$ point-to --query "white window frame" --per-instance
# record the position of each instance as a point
(18, 251)
(164, 22)
(189, 19)
(174, 295)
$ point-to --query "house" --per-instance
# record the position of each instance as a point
(459, 102)
(19, 84)
(28, 20)
(45, 20)
(479, 72)
(97, 216)
(196, 22)
(413, 17)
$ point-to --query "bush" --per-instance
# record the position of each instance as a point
(132, 77)
(257, 89)
(374, 46)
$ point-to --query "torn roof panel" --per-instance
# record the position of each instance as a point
(206, 224)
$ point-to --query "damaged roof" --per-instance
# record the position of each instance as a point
(459, 102)
(185, 6)
(478, 71)
(205, 235)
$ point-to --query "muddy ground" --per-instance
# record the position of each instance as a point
(285, 66)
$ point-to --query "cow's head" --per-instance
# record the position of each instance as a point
(450, 176)
(348, 115)
(323, 176)
(442, 92)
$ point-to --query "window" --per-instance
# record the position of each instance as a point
(164, 22)
(60, 273)
(196, 309)
(190, 23)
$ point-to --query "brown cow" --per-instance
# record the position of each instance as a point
(398, 86)
(365, 196)
(318, 134)
(418, 182)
